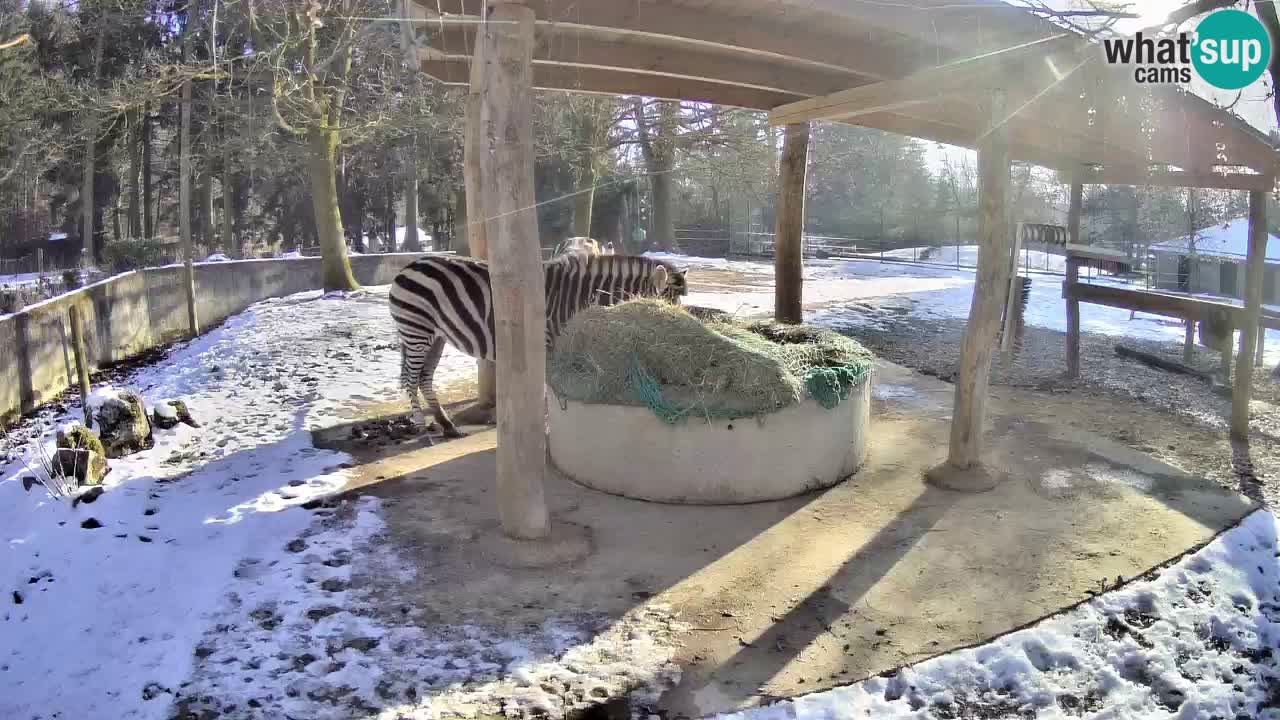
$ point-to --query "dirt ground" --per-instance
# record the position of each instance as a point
(777, 599)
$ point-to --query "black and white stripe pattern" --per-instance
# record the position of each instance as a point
(441, 298)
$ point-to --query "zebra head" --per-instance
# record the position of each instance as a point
(670, 282)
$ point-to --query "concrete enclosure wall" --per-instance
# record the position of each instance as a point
(137, 311)
(626, 450)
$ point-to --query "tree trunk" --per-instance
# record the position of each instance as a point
(148, 218)
(335, 267)
(789, 232)
(412, 243)
(135, 169)
(389, 218)
(229, 241)
(664, 228)
(184, 205)
(207, 233)
(585, 197)
(87, 199)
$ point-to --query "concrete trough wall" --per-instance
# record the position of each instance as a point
(137, 311)
(626, 450)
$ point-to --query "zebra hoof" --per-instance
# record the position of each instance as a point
(453, 432)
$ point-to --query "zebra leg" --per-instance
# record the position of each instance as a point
(426, 384)
(411, 364)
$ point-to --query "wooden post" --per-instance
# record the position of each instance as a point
(962, 470)
(1073, 277)
(515, 267)
(1260, 353)
(82, 363)
(1243, 391)
(477, 241)
(788, 264)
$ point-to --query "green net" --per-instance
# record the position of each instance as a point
(654, 354)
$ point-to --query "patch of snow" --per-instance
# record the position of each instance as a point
(217, 257)
(165, 410)
(207, 569)
(292, 254)
(1197, 642)
(102, 395)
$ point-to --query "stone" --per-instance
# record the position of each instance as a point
(164, 415)
(88, 496)
(86, 466)
(123, 425)
(79, 437)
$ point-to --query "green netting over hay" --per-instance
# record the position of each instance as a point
(654, 354)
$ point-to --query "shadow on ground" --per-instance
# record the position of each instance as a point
(781, 598)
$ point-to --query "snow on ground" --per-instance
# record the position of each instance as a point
(211, 578)
(96, 619)
(929, 291)
(1199, 641)
(207, 577)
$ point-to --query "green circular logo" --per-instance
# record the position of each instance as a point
(1232, 49)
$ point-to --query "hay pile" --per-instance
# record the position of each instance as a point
(651, 353)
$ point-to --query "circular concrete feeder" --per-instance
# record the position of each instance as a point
(626, 450)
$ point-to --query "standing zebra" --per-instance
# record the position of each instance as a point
(441, 298)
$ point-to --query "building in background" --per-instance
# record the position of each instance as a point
(1215, 264)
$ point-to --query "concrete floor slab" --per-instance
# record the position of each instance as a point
(789, 597)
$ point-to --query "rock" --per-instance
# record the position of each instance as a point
(86, 466)
(79, 437)
(168, 413)
(164, 415)
(123, 424)
(28, 482)
(88, 496)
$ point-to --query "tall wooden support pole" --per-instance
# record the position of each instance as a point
(962, 470)
(1073, 277)
(1243, 390)
(82, 362)
(477, 240)
(515, 267)
(788, 264)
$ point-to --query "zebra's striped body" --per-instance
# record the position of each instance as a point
(442, 299)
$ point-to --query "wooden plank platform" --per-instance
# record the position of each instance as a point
(1159, 303)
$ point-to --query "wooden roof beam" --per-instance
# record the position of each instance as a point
(998, 69)
(758, 34)
(607, 81)
(555, 46)
(1120, 175)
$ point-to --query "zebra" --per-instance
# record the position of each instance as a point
(442, 298)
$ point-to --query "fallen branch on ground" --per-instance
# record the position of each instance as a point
(1164, 364)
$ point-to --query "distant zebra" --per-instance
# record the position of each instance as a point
(441, 298)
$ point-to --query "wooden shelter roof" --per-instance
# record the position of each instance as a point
(914, 67)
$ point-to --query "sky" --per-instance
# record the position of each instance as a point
(1254, 106)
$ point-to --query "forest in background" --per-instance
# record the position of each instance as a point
(307, 125)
